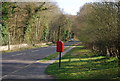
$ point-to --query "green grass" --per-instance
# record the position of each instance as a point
(81, 63)
(50, 57)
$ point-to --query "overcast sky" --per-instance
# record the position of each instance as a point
(71, 6)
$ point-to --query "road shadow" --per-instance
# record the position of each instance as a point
(24, 70)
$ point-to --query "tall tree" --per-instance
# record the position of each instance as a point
(98, 27)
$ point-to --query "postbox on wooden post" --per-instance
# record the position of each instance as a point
(60, 48)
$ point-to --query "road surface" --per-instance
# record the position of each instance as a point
(24, 65)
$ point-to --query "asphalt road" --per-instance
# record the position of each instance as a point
(24, 65)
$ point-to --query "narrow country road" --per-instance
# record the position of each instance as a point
(24, 65)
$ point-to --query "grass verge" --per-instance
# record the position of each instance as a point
(24, 48)
(81, 63)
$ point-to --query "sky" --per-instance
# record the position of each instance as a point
(71, 6)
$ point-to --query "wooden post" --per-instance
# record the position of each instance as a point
(58, 34)
(59, 59)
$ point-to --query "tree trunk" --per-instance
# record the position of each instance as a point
(111, 53)
(118, 33)
(118, 55)
(104, 51)
(9, 41)
(108, 52)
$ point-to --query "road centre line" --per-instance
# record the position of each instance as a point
(19, 69)
(16, 70)
(18, 54)
(34, 50)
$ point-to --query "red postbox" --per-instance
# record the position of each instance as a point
(60, 46)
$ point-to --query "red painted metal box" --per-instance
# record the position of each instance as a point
(60, 46)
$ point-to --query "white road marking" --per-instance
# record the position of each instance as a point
(34, 50)
(18, 54)
(17, 70)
